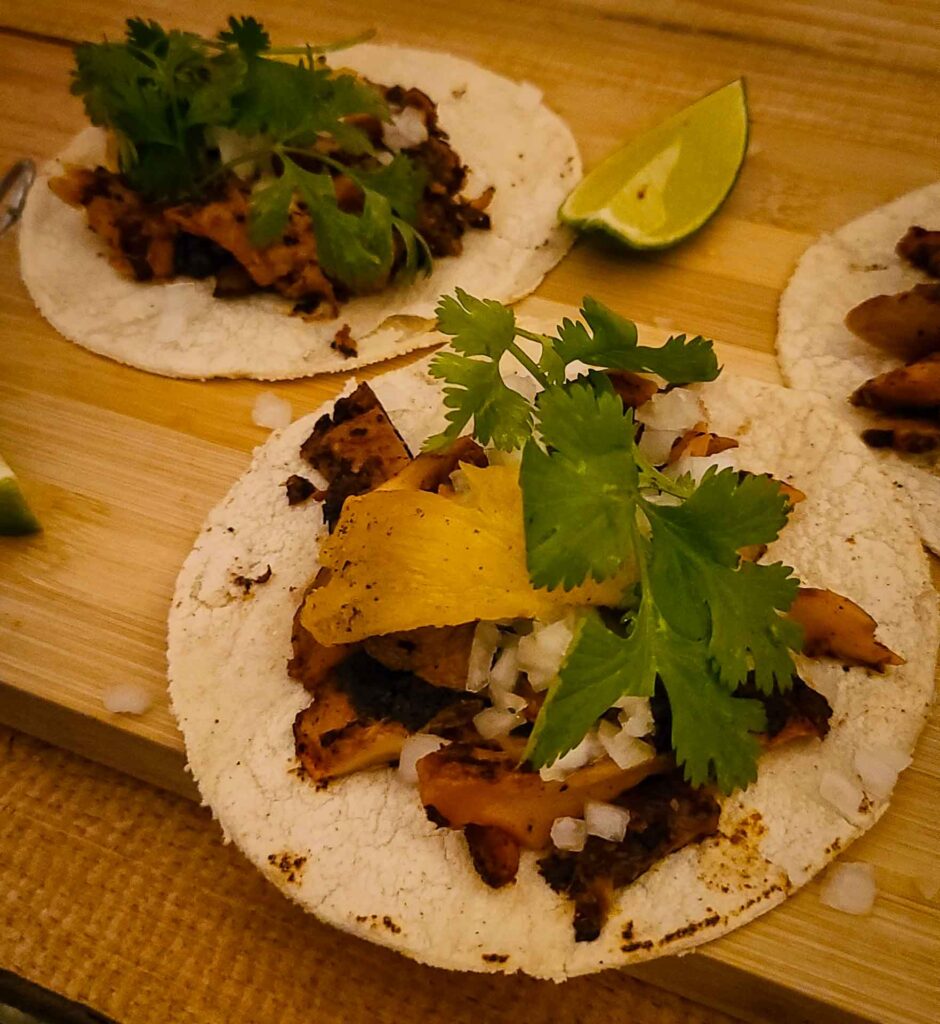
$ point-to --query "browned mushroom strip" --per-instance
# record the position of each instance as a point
(633, 388)
(438, 654)
(903, 435)
(906, 325)
(921, 248)
(914, 388)
(472, 785)
(698, 442)
(834, 626)
(495, 854)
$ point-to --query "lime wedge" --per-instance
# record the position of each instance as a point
(662, 186)
(16, 517)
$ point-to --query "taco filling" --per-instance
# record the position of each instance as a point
(577, 652)
(264, 168)
(905, 402)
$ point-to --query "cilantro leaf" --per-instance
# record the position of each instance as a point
(612, 345)
(599, 668)
(356, 248)
(401, 182)
(477, 326)
(145, 35)
(247, 34)
(579, 493)
(269, 211)
(702, 591)
(476, 391)
(712, 731)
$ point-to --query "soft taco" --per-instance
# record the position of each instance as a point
(860, 323)
(473, 708)
(305, 220)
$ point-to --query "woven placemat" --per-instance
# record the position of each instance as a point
(124, 898)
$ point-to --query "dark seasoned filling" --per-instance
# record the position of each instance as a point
(666, 813)
(199, 239)
(298, 488)
(381, 694)
(356, 448)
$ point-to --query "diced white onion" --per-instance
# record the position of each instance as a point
(493, 722)
(541, 653)
(677, 410)
(697, 466)
(638, 721)
(271, 412)
(623, 749)
(842, 793)
(505, 672)
(405, 130)
(505, 700)
(127, 699)
(849, 888)
(485, 643)
(656, 445)
(879, 767)
(588, 750)
(607, 821)
(232, 146)
(569, 834)
(413, 749)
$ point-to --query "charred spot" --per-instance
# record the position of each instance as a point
(394, 928)
(800, 704)
(632, 947)
(298, 488)
(198, 257)
(247, 582)
(381, 693)
(344, 343)
(627, 933)
(690, 929)
(495, 958)
(435, 817)
(666, 813)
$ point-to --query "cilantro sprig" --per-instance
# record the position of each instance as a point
(483, 331)
(699, 620)
(165, 94)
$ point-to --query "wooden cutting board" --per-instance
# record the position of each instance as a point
(122, 467)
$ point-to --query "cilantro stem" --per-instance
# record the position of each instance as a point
(660, 480)
(340, 44)
(252, 154)
(542, 339)
(526, 360)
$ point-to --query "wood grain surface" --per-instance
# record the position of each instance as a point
(122, 466)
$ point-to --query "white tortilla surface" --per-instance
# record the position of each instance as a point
(818, 352)
(361, 853)
(502, 131)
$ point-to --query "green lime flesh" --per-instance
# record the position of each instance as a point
(664, 185)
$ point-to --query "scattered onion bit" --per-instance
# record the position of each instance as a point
(569, 834)
(849, 888)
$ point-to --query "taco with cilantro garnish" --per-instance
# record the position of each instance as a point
(563, 710)
(254, 212)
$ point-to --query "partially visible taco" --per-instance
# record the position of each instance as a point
(863, 304)
(713, 834)
(205, 262)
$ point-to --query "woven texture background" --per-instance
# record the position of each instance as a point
(123, 897)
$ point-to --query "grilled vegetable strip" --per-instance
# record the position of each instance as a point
(906, 325)
(833, 626)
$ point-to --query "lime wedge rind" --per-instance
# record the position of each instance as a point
(16, 517)
(592, 204)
